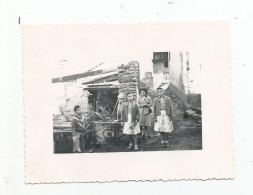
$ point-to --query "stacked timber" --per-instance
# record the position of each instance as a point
(129, 78)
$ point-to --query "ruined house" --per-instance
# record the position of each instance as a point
(94, 90)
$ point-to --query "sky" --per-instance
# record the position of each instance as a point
(93, 45)
(73, 49)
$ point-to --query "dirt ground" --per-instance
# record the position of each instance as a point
(187, 134)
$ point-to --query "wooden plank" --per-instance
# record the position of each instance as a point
(76, 76)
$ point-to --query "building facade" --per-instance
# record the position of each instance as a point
(161, 62)
(181, 74)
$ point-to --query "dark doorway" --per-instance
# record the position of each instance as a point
(103, 100)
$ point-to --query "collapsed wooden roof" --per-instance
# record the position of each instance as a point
(95, 80)
(103, 86)
(69, 78)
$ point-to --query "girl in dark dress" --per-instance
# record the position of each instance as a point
(145, 103)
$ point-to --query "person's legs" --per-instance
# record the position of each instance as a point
(135, 139)
(76, 145)
(130, 142)
(135, 142)
(148, 132)
(76, 142)
(166, 136)
(162, 138)
(145, 132)
(141, 127)
(142, 131)
(82, 141)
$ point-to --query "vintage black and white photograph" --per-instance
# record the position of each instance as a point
(125, 94)
(123, 99)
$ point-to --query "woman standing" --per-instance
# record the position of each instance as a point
(145, 103)
(130, 117)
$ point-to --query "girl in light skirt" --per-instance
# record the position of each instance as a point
(163, 116)
(130, 118)
(164, 126)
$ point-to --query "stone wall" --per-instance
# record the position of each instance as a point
(129, 78)
(66, 96)
(80, 98)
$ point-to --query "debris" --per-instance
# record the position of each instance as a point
(190, 112)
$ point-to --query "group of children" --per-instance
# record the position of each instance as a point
(136, 116)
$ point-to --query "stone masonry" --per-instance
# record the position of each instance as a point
(129, 78)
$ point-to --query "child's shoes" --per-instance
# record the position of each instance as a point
(129, 147)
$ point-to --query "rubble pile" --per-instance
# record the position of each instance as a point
(147, 81)
(129, 77)
(92, 116)
(183, 110)
(59, 118)
(106, 101)
(176, 102)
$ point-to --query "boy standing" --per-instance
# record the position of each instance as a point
(78, 130)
